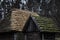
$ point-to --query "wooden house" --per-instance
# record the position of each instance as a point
(13, 25)
(25, 25)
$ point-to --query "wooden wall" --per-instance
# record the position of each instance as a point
(6, 36)
(29, 36)
(33, 36)
(57, 36)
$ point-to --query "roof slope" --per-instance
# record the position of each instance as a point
(14, 21)
(46, 24)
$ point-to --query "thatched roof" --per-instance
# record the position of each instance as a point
(46, 24)
(14, 21)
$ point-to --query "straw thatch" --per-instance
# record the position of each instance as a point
(14, 21)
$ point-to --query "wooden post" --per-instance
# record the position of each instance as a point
(42, 36)
(25, 37)
(15, 36)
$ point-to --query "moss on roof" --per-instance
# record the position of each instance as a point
(46, 24)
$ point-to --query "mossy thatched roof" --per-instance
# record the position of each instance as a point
(17, 19)
(46, 24)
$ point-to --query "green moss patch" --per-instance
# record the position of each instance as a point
(46, 24)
